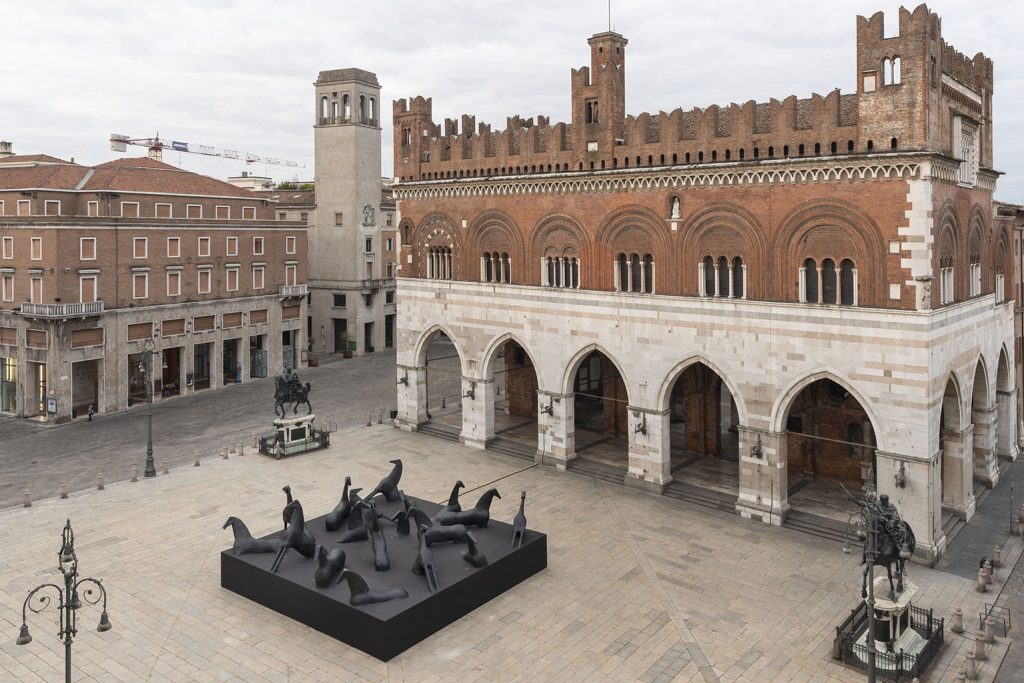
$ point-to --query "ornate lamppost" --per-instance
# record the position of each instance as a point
(70, 599)
(146, 365)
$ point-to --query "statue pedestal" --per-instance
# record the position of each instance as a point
(293, 435)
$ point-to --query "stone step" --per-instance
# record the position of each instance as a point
(597, 470)
(511, 447)
(952, 525)
(439, 430)
(709, 498)
(816, 525)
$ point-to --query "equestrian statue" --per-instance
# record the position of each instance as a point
(288, 389)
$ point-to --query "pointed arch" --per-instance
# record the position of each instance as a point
(780, 410)
(981, 393)
(420, 349)
(490, 353)
(569, 375)
(665, 391)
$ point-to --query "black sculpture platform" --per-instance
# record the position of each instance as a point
(386, 629)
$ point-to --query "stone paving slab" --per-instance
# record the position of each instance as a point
(638, 587)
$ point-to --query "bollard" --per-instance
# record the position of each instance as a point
(167, 466)
(979, 647)
(197, 461)
(990, 630)
(63, 489)
(241, 448)
(957, 624)
(1014, 527)
(28, 499)
(369, 417)
(443, 405)
(99, 481)
(997, 557)
(380, 416)
(960, 676)
(988, 572)
(224, 452)
(255, 440)
(135, 473)
(982, 584)
(970, 669)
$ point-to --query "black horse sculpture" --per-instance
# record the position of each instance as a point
(297, 537)
(388, 486)
(478, 516)
(245, 543)
(341, 511)
(360, 593)
(327, 565)
(286, 391)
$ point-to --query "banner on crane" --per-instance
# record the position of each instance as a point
(179, 146)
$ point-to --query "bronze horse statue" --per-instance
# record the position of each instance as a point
(894, 543)
(290, 392)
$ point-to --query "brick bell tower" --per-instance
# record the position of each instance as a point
(599, 99)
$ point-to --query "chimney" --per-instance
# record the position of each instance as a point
(5, 149)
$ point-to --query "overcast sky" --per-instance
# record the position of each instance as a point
(239, 75)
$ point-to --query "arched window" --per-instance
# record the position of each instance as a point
(687, 157)
(708, 286)
(728, 155)
(323, 110)
(575, 273)
(800, 149)
(828, 281)
(757, 152)
(362, 109)
(346, 108)
(741, 154)
(810, 281)
(549, 266)
(373, 110)
(817, 149)
(847, 283)
(488, 274)
(506, 269)
(623, 273)
(635, 275)
(871, 145)
(650, 160)
(714, 155)
(886, 71)
(648, 271)
(700, 156)
(723, 277)
(675, 158)
(662, 159)
(771, 152)
(738, 282)
(833, 147)
(897, 75)
(638, 161)
(849, 145)
(785, 150)
(892, 143)
(334, 112)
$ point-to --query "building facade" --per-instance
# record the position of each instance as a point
(95, 261)
(819, 280)
(352, 236)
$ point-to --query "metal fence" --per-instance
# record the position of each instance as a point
(892, 666)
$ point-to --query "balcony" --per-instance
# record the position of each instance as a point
(62, 310)
(376, 283)
(294, 290)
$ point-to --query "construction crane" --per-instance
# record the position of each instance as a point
(119, 143)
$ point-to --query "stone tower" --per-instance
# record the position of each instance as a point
(346, 135)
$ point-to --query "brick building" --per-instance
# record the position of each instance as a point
(95, 260)
(762, 300)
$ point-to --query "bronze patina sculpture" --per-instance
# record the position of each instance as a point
(298, 537)
(288, 389)
(478, 516)
(327, 566)
(245, 543)
(361, 593)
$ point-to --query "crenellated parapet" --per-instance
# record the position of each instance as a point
(894, 97)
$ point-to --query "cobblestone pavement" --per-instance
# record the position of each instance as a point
(638, 587)
(39, 457)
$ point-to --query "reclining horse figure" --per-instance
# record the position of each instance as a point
(245, 543)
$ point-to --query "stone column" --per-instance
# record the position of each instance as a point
(820, 285)
(217, 360)
(483, 269)
(243, 355)
(188, 362)
(650, 467)
(958, 473)
(732, 280)
(477, 412)
(856, 294)
(745, 283)
(616, 275)
(1006, 425)
(412, 397)
(556, 437)
(763, 486)
(701, 284)
(803, 285)
(986, 468)
(916, 499)
(718, 285)
(629, 275)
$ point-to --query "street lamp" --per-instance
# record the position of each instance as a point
(146, 365)
(70, 599)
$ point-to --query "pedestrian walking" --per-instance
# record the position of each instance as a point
(90, 412)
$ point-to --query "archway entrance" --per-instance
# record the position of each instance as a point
(444, 383)
(600, 421)
(703, 438)
(956, 463)
(830, 443)
(515, 401)
(1006, 427)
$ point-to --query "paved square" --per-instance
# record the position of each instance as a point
(638, 587)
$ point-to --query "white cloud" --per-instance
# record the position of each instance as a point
(239, 74)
